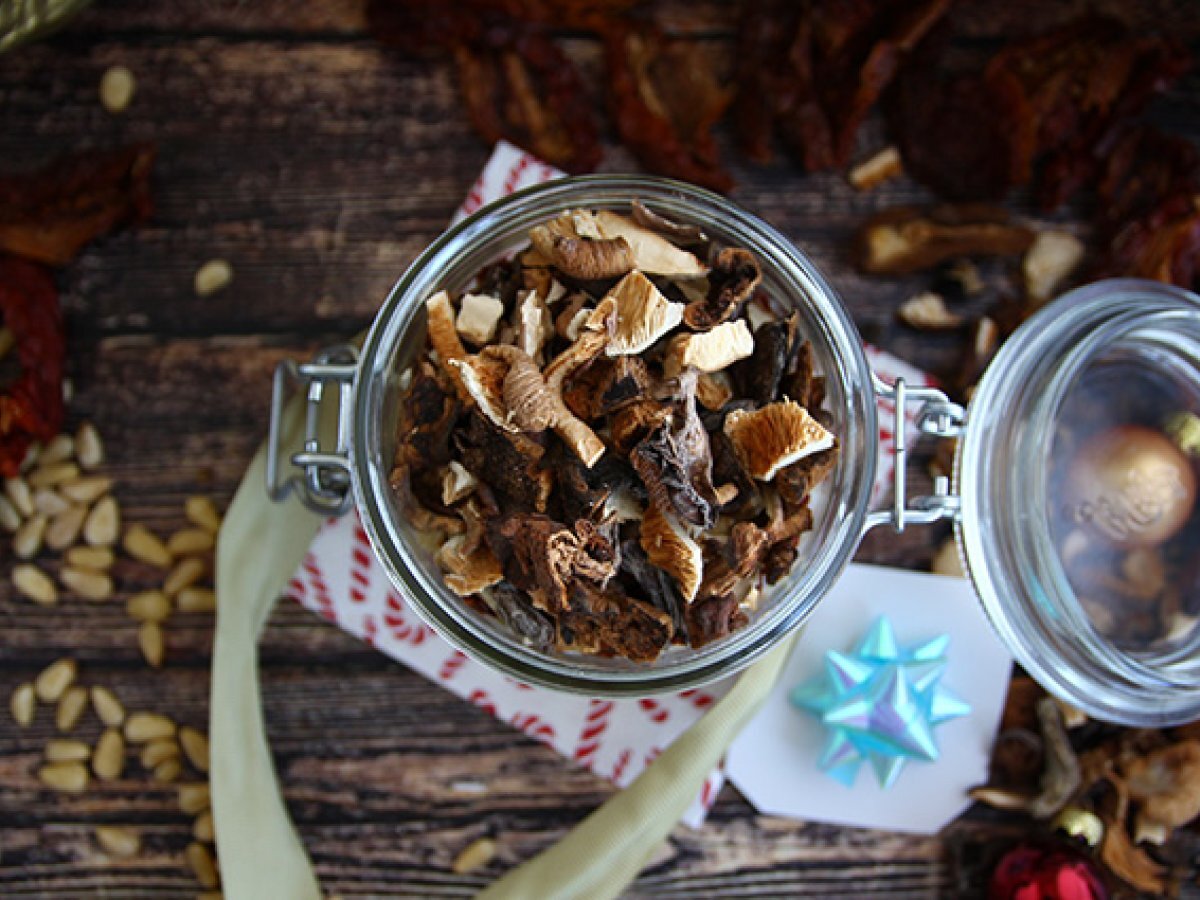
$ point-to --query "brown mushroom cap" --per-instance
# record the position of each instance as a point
(772, 438)
(572, 244)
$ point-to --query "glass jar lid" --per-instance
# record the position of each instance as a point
(1079, 526)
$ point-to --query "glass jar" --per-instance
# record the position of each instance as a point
(1002, 545)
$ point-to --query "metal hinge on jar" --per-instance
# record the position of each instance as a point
(323, 482)
(936, 416)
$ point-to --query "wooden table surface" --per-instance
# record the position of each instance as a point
(319, 164)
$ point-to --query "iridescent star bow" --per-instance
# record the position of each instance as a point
(880, 703)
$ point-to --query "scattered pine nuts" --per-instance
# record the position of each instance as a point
(189, 541)
(159, 751)
(144, 545)
(474, 856)
(64, 528)
(94, 586)
(69, 777)
(103, 523)
(195, 747)
(108, 762)
(116, 89)
(62, 750)
(50, 502)
(86, 488)
(35, 584)
(93, 559)
(149, 606)
(108, 708)
(28, 539)
(18, 491)
(52, 474)
(194, 798)
(150, 640)
(89, 449)
(54, 680)
(168, 770)
(201, 862)
(23, 704)
(212, 276)
(187, 573)
(203, 512)
(60, 449)
(141, 727)
(10, 519)
(118, 841)
(202, 828)
(196, 600)
(70, 707)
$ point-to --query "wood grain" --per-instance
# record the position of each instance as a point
(319, 165)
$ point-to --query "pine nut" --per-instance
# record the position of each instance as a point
(89, 449)
(54, 680)
(202, 828)
(61, 750)
(196, 600)
(93, 586)
(93, 559)
(168, 770)
(150, 640)
(64, 528)
(35, 584)
(103, 523)
(145, 546)
(212, 276)
(18, 491)
(70, 707)
(118, 841)
(141, 727)
(23, 704)
(108, 762)
(474, 856)
(195, 747)
(200, 860)
(187, 573)
(69, 777)
(108, 708)
(52, 474)
(86, 489)
(50, 502)
(189, 541)
(149, 606)
(159, 751)
(203, 512)
(28, 539)
(194, 798)
(10, 519)
(60, 449)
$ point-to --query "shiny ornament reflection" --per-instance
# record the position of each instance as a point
(881, 703)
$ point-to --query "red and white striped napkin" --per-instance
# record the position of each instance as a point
(341, 580)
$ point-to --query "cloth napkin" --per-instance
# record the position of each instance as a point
(666, 748)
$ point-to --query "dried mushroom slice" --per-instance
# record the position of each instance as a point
(574, 246)
(549, 557)
(669, 546)
(610, 623)
(774, 437)
(443, 337)
(468, 573)
(643, 315)
(734, 278)
(652, 252)
(1166, 783)
(478, 317)
(534, 326)
(709, 351)
(482, 377)
(509, 463)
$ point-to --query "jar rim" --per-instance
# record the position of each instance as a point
(463, 627)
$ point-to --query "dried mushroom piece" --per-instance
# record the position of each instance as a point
(643, 315)
(549, 557)
(709, 351)
(443, 337)
(478, 317)
(681, 235)
(573, 245)
(468, 573)
(610, 623)
(534, 325)
(669, 546)
(774, 437)
(734, 278)
(904, 240)
(652, 253)
(1166, 784)
(928, 311)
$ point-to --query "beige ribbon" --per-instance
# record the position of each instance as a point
(261, 545)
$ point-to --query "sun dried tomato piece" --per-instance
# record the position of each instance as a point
(665, 100)
(31, 408)
(48, 216)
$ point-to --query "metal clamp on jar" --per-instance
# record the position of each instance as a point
(1009, 499)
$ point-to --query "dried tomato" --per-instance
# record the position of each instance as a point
(665, 101)
(31, 408)
(50, 215)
